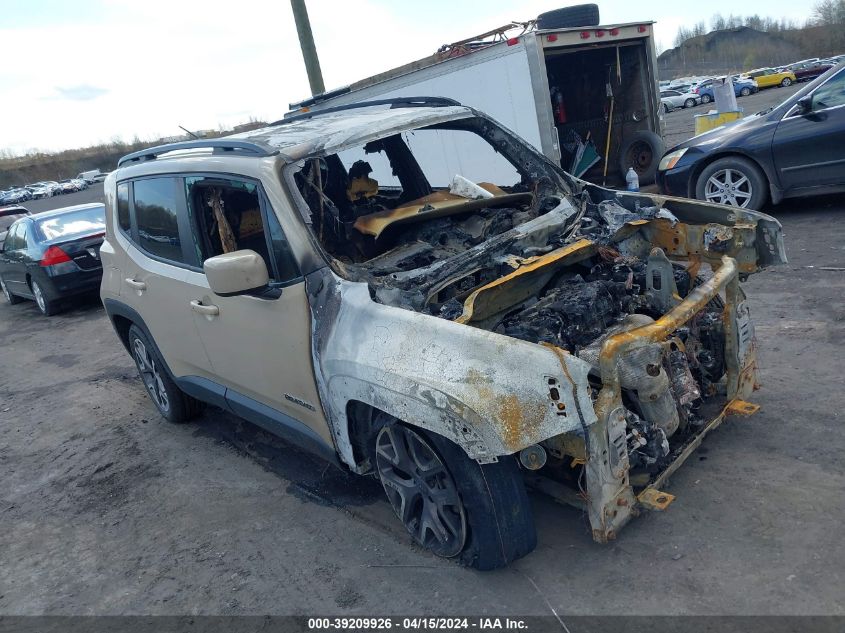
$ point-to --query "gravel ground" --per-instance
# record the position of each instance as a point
(107, 509)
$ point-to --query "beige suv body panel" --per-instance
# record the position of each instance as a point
(262, 349)
(158, 292)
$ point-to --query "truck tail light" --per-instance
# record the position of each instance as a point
(552, 37)
(614, 31)
(513, 40)
(585, 35)
(641, 29)
(54, 255)
(599, 33)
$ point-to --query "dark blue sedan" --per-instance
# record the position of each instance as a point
(794, 149)
(52, 256)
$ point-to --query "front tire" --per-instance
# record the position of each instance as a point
(733, 181)
(12, 299)
(705, 98)
(453, 506)
(172, 403)
(786, 82)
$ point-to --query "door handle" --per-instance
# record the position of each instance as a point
(137, 285)
(210, 310)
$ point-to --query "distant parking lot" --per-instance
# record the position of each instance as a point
(679, 124)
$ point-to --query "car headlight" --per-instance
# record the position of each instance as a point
(671, 159)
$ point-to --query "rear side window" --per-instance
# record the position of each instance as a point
(7, 220)
(123, 207)
(156, 203)
(16, 238)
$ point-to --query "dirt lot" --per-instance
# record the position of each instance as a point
(107, 509)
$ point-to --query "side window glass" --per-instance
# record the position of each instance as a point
(156, 206)
(123, 207)
(227, 217)
(831, 94)
(281, 249)
(11, 243)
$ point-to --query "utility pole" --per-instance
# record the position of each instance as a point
(306, 43)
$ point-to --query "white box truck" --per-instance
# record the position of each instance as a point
(562, 82)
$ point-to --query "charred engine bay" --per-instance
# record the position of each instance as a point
(432, 266)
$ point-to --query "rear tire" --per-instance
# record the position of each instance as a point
(578, 15)
(172, 403)
(12, 299)
(486, 505)
(47, 307)
(689, 103)
(745, 92)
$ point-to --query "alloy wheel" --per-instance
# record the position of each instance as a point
(421, 490)
(729, 186)
(150, 375)
(39, 297)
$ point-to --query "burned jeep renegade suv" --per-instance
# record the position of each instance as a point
(412, 291)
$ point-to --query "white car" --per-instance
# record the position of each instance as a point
(40, 190)
(671, 99)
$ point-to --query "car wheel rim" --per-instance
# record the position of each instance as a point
(729, 186)
(421, 490)
(39, 297)
(148, 369)
(639, 157)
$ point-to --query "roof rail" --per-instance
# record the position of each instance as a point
(228, 145)
(323, 96)
(398, 102)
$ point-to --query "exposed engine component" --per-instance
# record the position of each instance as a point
(571, 315)
(647, 443)
(642, 375)
(533, 457)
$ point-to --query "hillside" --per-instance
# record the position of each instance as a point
(21, 170)
(744, 48)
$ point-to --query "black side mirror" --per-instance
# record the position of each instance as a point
(805, 105)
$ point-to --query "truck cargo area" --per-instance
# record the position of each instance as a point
(567, 91)
(598, 93)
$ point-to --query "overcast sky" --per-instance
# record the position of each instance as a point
(74, 73)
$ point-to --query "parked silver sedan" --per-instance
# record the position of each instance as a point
(671, 99)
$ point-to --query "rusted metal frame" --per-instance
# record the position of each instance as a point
(610, 497)
(732, 360)
(689, 450)
(694, 302)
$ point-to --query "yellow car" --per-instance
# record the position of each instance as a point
(769, 77)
